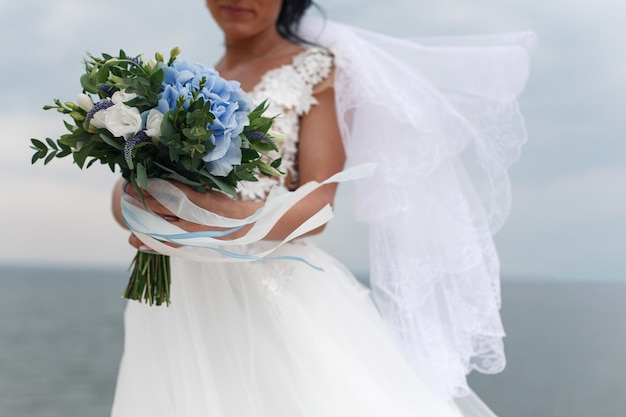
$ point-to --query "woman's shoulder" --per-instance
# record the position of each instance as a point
(314, 64)
(292, 86)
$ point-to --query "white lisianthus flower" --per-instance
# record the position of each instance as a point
(122, 96)
(84, 102)
(121, 120)
(97, 120)
(153, 124)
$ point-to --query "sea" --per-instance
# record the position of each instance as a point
(61, 339)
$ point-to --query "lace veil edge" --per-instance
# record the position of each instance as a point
(441, 120)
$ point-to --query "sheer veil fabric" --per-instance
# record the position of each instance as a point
(440, 118)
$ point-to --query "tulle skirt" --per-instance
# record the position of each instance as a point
(269, 339)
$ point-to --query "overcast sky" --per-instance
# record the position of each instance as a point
(569, 187)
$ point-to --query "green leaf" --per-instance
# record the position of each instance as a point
(258, 110)
(176, 176)
(142, 81)
(50, 157)
(36, 156)
(225, 187)
(168, 129)
(142, 176)
(221, 184)
(133, 181)
(157, 77)
(262, 146)
(111, 142)
(91, 162)
(247, 176)
(269, 170)
(52, 144)
(103, 74)
(173, 152)
(184, 180)
(262, 124)
(65, 151)
(248, 154)
(81, 155)
(68, 126)
(38, 144)
(276, 163)
(88, 84)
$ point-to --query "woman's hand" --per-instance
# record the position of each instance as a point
(214, 201)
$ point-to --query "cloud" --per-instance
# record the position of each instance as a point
(77, 17)
(568, 202)
(54, 214)
(444, 17)
(47, 41)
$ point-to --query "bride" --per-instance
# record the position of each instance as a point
(277, 338)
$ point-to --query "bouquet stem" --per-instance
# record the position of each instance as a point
(150, 279)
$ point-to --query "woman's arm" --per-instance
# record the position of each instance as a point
(320, 155)
(116, 200)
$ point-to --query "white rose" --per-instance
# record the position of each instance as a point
(84, 102)
(122, 96)
(122, 120)
(153, 124)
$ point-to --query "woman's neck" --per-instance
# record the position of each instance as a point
(248, 50)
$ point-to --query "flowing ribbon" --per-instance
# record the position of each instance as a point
(206, 246)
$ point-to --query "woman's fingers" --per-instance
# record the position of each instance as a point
(138, 244)
(150, 203)
(134, 241)
(132, 191)
(169, 218)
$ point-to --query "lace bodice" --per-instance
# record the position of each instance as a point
(289, 91)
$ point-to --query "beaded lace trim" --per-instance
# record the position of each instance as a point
(289, 92)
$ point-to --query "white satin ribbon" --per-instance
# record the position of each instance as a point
(153, 230)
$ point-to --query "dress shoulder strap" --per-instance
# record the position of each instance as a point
(314, 65)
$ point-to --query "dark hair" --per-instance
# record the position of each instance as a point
(291, 12)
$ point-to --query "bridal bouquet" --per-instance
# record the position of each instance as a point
(173, 120)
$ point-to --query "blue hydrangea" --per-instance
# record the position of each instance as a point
(229, 104)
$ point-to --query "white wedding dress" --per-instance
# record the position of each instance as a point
(272, 338)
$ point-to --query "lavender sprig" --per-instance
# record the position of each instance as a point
(130, 144)
(101, 105)
(257, 135)
(106, 89)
